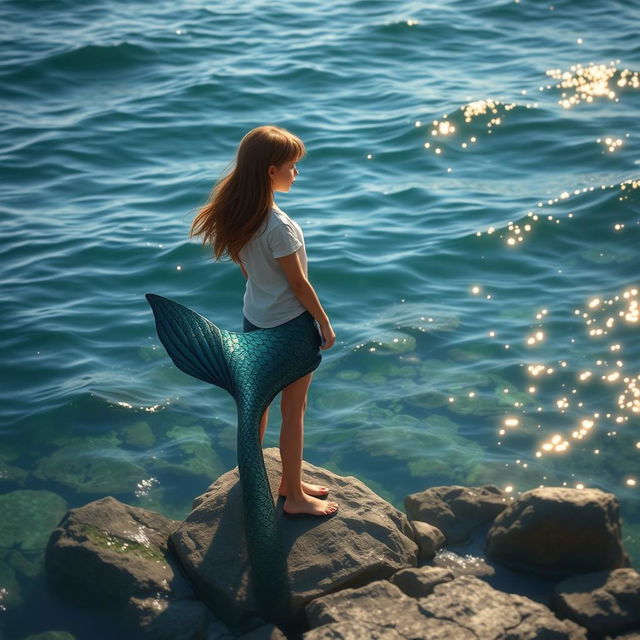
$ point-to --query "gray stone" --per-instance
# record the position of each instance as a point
(265, 632)
(420, 582)
(428, 538)
(559, 530)
(381, 607)
(163, 618)
(603, 601)
(350, 630)
(116, 555)
(456, 510)
(465, 608)
(467, 565)
(495, 615)
(366, 540)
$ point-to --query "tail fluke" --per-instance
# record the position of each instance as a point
(194, 343)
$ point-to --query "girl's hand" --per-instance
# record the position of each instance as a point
(328, 335)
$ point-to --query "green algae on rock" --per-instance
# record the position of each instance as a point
(189, 453)
(87, 469)
(10, 591)
(52, 635)
(28, 518)
(11, 475)
(348, 374)
(455, 455)
(341, 399)
(138, 435)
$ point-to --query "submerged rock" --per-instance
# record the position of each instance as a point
(89, 468)
(559, 530)
(367, 539)
(28, 518)
(10, 475)
(138, 435)
(456, 510)
(52, 635)
(189, 453)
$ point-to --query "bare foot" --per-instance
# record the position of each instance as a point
(309, 504)
(310, 489)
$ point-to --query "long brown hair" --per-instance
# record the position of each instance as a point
(239, 203)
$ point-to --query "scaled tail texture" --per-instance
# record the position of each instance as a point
(193, 342)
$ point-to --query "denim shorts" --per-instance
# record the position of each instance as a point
(248, 326)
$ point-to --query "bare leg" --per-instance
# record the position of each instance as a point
(293, 405)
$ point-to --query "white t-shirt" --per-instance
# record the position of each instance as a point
(268, 298)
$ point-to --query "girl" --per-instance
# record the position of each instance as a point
(242, 220)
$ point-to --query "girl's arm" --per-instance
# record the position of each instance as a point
(305, 292)
(246, 275)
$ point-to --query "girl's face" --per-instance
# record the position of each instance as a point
(283, 176)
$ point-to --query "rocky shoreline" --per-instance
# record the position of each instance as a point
(462, 563)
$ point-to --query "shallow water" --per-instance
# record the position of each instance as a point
(470, 208)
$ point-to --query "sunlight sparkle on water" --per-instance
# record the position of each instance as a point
(584, 83)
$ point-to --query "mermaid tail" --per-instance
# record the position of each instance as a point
(253, 367)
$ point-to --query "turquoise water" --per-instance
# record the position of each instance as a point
(470, 208)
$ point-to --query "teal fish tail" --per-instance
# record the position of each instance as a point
(193, 342)
(253, 367)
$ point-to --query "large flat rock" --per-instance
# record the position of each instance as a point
(366, 540)
(465, 608)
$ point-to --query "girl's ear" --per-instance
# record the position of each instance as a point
(272, 170)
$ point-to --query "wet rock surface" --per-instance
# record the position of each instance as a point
(359, 574)
(559, 530)
(367, 539)
(456, 510)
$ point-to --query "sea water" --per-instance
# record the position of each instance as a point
(470, 208)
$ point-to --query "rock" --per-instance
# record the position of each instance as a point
(88, 467)
(428, 538)
(28, 518)
(420, 582)
(10, 590)
(138, 435)
(188, 454)
(465, 608)
(559, 530)
(381, 607)
(367, 539)
(352, 631)
(456, 510)
(456, 455)
(11, 476)
(52, 635)
(603, 601)
(116, 555)
(467, 565)
(492, 614)
(163, 618)
(265, 632)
